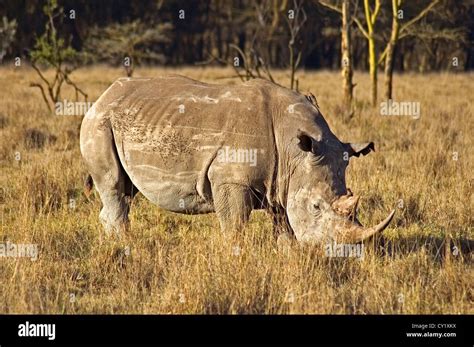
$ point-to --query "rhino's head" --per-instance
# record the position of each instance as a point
(319, 206)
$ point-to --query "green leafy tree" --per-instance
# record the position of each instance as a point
(129, 44)
(7, 35)
(52, 51)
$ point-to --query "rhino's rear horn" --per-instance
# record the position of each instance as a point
(346, 205)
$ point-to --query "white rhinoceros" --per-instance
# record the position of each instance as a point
(192, 147)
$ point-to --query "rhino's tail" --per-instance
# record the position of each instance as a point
(88, 185)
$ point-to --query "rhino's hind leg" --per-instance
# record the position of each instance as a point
(116, 206)
(233, 205)
(110, 180)
(115, 196)
(115, 193)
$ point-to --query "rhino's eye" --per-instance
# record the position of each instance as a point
(315, 209)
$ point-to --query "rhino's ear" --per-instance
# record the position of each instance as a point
(356, 149)
(305, 141)
(309, 144)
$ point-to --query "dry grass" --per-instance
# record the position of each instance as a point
(182, 264)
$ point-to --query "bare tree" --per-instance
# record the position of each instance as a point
(390, 49)
(370, 19)
(398, 32)
(346, 54)
(295, 19)
(346, 49)
(251, 60)
(369, 33)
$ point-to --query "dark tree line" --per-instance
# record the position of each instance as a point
(212, 31)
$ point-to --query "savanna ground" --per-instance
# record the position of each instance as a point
(172, 263)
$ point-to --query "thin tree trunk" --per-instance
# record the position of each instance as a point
(292, 65)
(391, 50)
(371, 16)
(373, 69)
(346, 56)
(389, 71)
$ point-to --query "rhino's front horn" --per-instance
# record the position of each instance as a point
(350, 232)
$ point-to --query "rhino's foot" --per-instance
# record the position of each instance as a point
(117, 229)
(115, 221)
(284, 242)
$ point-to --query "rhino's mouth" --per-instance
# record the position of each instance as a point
(346, 227)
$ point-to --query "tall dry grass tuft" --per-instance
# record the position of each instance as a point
(171, 263)
(42, 194)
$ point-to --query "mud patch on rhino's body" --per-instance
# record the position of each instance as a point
(227, 96)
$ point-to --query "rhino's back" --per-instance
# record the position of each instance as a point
(176, 101)
(168, 130)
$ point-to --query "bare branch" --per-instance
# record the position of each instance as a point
(383, 55)
(40, 74)
(76, 88)
(367, 15)
(361, 27)
(245, 61)
(455, 34)
(376, 11)
(267, 70)
(37, 85)
(423, 13)
(330, 6)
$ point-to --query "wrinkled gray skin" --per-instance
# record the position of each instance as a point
(165, 137)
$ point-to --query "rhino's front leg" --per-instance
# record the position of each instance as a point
(281, 226)
(233, 205)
